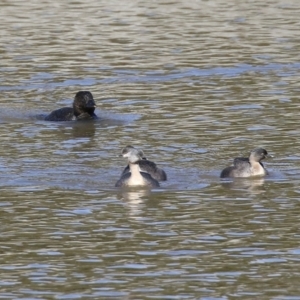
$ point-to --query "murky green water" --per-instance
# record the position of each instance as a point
(194, 84)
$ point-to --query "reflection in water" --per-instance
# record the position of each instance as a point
(84, 129)
(252, 185)
(134, 199)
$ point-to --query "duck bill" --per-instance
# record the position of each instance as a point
(91, 104)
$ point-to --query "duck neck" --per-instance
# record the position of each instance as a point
(135, 170)
(257, 168)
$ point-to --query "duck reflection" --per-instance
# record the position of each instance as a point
(134, 199)
(83, 129)
(254, 186)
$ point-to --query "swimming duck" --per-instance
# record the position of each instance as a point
(83, 109)
(148, 167)
(135, 177)
(247, 167)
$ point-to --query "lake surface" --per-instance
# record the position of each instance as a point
(192, 83)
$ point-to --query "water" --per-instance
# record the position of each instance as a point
(194, 84)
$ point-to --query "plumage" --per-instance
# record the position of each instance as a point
(247, 167)
(149, 167)
(135, 177)
(83, 109)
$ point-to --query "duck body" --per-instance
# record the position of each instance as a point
(135, 176)
(83, 109)
(62, 114)
(131, 179)
(149, 167)
(247, 167)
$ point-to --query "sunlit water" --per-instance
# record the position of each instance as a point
(192, 83)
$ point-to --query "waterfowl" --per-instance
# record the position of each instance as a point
(135, 177)
(83, 109)
(247, 167)
(149, 167)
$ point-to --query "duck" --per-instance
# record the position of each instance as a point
(149, 167)
(83, 109)
(135, 177)
(247, 166)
